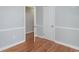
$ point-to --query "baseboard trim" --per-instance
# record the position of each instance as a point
(68, 45)
(39, 37)
(29, 32)
(12, 45)
(64, 44)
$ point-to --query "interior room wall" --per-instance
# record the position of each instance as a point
(11, 26)
(45, 17)
(29, 19)
(39, 21)
(67, 20)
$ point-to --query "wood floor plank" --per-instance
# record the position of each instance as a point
(44, 45)
(26, 46)
(39, 45)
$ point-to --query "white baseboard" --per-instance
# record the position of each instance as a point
(35, 35)
(40, 36)
(65, 44)
(29, 32)
(12, 45)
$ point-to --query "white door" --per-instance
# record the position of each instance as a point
(49, 22)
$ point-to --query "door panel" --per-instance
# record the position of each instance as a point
(48, 19)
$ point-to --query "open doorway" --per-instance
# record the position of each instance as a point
(30, 25)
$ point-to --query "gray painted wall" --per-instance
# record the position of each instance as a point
(67, 17)
(39, 20)
(39, 15)
(11, 25)
(11, 17)
(67, 36)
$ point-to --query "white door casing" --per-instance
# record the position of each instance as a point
(49, 22)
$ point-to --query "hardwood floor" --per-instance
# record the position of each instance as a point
(40, 45)
(43, 45)
(25, 46)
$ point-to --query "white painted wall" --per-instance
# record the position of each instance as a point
(11, 25)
